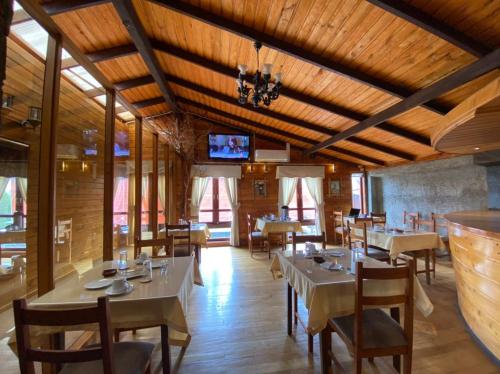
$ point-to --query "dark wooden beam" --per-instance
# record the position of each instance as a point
(149, 102)
(274, 130)
(109, 180)
(291, 120)
(130, 19)
(486, 64)
(138, 185)
(154, 190)
(432, 25)
(291, 50)
(61, 6)
(112, 53)
(231, 73)
(47, 166)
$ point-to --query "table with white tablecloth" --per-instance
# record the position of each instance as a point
(267, 226)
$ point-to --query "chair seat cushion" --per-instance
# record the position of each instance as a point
(379, 329)
(378, 254)
(128, 358)
(257, 234)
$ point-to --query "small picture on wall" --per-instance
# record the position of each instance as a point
(334, 187)
(260, 188)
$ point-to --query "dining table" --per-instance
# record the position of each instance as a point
(331, 293)
(162, 302)
(276, 226)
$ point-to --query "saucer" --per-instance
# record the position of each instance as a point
(335, 253)
(98, 284)
(127, 290)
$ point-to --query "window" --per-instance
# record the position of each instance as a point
(215, 208)
(301, 207)
(358, 192)
(120, 202)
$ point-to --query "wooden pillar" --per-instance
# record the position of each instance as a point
(109, 153)
(47, 170)
(364, 192)
(166, 163)
(138, 184)
(154, 189)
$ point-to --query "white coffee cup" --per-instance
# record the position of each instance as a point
(119, 285)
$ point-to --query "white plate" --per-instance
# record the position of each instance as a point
(336, 253)
(98, 284)
(111, 292)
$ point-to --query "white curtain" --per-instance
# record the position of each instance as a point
(315, 187)
(161, 192)
(116, 184)
(23, 186)
(4, 181)
(287, 188)
(131, 205)
(232, 193)
(197, 193)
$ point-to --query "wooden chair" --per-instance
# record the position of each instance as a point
(429, 255)
(357, 233)
(442, 229)
(370, 333)
(180, 242)
(339, 227)
(301, 239)
(411, 218)
(256, 238)
(379, 219)
(107, 357)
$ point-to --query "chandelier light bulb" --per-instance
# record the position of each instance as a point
(277, 77)
(243, 68)
(266, 70)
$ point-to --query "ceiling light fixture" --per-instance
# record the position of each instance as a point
(263, 89)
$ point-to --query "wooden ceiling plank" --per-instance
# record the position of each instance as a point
(277, 131)
(130, 19)
(284, 118)
(484, 65)
(61, 6)
(432, 25)
(292, 50)
(231, 73)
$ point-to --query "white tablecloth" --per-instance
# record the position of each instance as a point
(199, 233)
(269, 227)
(327, 294)
(163, 301)
(397, 243)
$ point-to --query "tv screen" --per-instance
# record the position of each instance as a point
(121, 144)
(229, 146)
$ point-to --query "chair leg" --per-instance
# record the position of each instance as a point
(407, 364)
(427, 266)
(310, 343)
(396, 363)
(295, 307)
(433, 263)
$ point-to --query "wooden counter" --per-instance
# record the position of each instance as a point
(475, 246)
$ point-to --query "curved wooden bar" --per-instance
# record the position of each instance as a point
(475, 247)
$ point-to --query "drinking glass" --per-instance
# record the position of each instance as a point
(147, 267)
(122, 264)
(164, 268)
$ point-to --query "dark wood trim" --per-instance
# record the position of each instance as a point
(291, 50)
(154, 189)
(131, 20)
(138, 184)
(61, 6)
(291, 120)
(166, 166)
(47, 167)
(112, 53)
(149, 102)
(452, 81)
(427, 22)
(39, 14)
(231, 73)
(275, 130)
(109, 180)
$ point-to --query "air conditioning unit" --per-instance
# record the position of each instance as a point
(68, 152)
(273, 155)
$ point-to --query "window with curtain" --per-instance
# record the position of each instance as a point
(302, 206)
(357, 197)
(215, 209)
(120, 202)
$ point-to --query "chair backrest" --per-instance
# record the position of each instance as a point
(25, 317)
(405, 273)
(356, 232)
(177, 234)
(412, 218)
(379, 219)
(426, 224)
(297, 239)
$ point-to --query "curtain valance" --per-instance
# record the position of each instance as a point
(300, 171)
(216, 171)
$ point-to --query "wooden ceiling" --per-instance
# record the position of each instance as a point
(342, 61)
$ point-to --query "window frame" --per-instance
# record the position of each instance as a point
(215, 223)
(300, 205)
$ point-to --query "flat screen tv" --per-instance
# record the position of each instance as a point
(228, 146)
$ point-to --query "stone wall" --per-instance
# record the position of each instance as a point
(438, 186)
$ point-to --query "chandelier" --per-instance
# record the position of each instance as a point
(263, 89)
